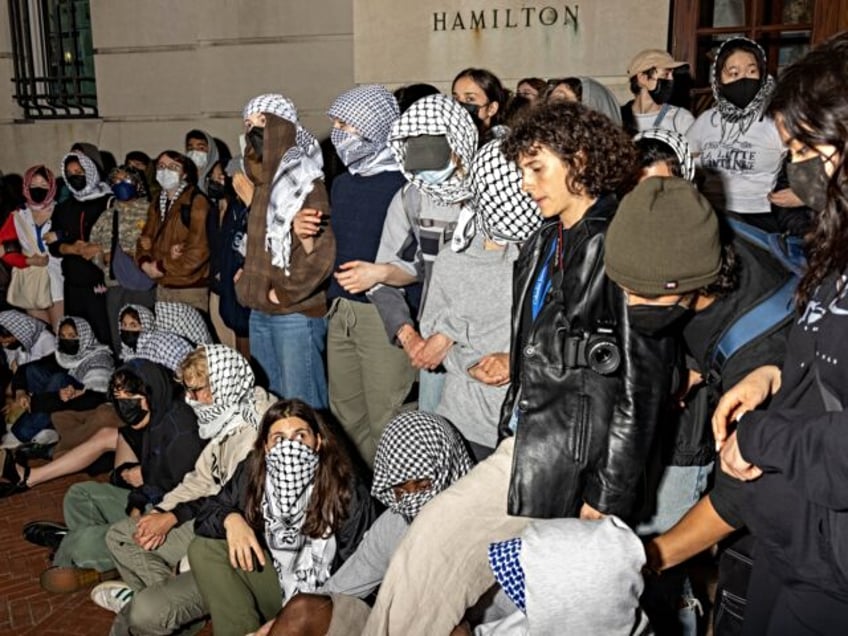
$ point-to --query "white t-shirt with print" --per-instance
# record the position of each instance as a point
(740, 171)
(676, 119)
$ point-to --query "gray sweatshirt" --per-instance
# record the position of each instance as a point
(469, 300)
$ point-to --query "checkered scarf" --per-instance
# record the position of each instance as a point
(183, 320)
(92, 365)
(302, 563)
(300, 166)
(25, 328)
(372, 110)
(417, 445)
(503, 211)
(677, 143)
(161, 347)
(730, 113)
(94, 187)
(505, 561)
(148, 325)
(438, 115)
(231, 382)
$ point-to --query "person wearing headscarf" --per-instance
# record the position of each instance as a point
(368, 377)
(587, 91)
(664, 153)
(419, 456)
(735, 143)
(296, 504)
(24, 339)
(201, 148)
(173, 248)
(221, 389)
(73, 219)
(290, 249)
(570, 576)
(141, 338)
(157, 447)
(470, 297)
(26, 234)
(118, 229)
(433, 142)
(183, 320)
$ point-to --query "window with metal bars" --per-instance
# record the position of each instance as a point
(53, 58)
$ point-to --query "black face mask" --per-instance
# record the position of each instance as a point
(216, 191)
(76, 181)
(129, 410)
(662, 91)
(130, 338)
(650, 320)
(741, 92)
(256, 138)
(37, 195)
(68, 346)
(808, 180)
(473, 110)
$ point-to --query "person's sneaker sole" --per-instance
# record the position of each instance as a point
(60, 580)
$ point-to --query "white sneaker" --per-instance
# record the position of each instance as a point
(112, 595)
(183, 565)
(46, 437)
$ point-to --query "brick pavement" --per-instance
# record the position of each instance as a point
(26, 609)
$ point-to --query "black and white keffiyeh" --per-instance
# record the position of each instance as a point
(678, 143)
(302, 563)
(148, 325)
(94, 187)
(92, 365)
(438, 115)
(26, 329)
(161, 347)
(372, 110)
(503, 211)
(417, 445)
(294, 179)
(183, 320)
(728, 113)
(231, 382)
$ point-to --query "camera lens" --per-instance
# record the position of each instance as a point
(603, 356)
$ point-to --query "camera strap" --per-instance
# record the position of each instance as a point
(542, 285)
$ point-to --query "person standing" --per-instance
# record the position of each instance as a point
(651, 74)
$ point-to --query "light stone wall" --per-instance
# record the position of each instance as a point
(165, 66)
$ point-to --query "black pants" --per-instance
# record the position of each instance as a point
(85, 303)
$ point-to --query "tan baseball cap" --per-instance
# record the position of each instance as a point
(652, 58)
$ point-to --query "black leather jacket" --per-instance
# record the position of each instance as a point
(581, 436)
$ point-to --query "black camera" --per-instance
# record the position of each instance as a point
(599, 351)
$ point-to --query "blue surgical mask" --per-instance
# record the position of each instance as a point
(124, 191)
(435, 177)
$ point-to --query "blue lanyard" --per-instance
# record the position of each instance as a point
(543, 282)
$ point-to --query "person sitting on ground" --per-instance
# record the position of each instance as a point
(158, 446)
(295, 502)
(140, 338)
(419, 456)
(221, 388)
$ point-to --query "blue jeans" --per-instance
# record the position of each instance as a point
(40, 378)
(290, 349)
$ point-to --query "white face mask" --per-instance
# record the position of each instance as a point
(168, 179)
(199, 157)
(434, 177)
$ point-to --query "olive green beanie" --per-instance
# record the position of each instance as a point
(664, 239)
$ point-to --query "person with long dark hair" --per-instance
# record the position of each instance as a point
(295, 504)
(481, 93)
(785, 469)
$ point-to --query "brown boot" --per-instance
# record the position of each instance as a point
(61, 580)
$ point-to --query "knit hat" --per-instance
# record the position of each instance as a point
(664, 239)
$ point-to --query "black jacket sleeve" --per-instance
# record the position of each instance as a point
(209, 521)
(362, 512)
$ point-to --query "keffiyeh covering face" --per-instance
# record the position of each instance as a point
(92, 364)
(183, 320)
(94, 187)
(25, 328)
(504, 212)
(302, 563)
(438, 115)
(417, 445)
(293, 179)
(231, 383)
(677, 143)
(372, 110)
(730, 113)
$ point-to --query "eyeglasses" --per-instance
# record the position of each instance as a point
(194, 390)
